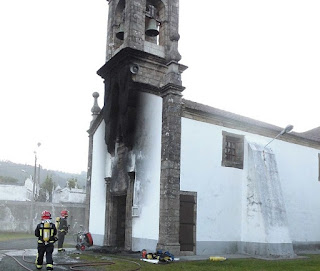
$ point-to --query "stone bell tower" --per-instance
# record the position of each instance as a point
(142, 56)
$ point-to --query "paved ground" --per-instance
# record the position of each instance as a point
(16, 255)
(20, 255)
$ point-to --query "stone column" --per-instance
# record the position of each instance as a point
(109, 237)
(128, 233)
(134, 24)
(170, 170)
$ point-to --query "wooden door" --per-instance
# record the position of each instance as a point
(187, 222)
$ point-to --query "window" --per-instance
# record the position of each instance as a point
(232, 150)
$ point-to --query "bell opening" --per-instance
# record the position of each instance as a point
(152, 28)
(120, 32)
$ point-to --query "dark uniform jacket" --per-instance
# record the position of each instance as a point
(39, 233)
(63, 227)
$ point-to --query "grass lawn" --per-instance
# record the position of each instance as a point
(311, 263)
(5, 236)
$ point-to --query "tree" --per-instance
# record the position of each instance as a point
(72, 183)
(8, 180)
(48, 185)
(42, 195)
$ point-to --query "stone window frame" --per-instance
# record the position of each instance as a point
(235, 144)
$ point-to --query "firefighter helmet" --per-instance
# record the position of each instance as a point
(64, 213)
(45, 215)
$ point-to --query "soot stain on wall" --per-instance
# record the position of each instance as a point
(120, 116)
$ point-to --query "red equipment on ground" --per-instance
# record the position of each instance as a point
(84, 239)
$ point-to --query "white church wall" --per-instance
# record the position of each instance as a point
(298, 167)
(98, 187)
(265, 229)
(218, 188)
(147, 151)
(222, 192)
(298, 172)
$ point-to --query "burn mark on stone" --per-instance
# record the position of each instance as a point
(119, 108)
(120, 176)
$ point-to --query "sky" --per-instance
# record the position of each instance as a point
(259, 59)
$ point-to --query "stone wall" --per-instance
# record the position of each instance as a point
(23, 216)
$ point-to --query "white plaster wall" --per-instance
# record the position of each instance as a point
(12, 192)
(147, 151)
(98, 187)
(69, 195)
(264, 213)
(257, 233)
(298, 172)
(77, 195)
(218, 188)
(221, 206)
(56, 196)
(298, 167)
(17, 192)
(28, 183)
(64, 195)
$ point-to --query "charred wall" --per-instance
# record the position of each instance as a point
(119, 108)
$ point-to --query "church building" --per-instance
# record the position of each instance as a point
(168, 173)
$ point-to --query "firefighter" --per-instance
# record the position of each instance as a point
(46, 232)
(63, 229)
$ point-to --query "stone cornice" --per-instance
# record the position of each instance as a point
(126, 55)
(171, 89)
(95, 123)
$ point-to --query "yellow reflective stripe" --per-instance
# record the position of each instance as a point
(40, 241)
(41, 230)
(39, 266)
(51, 232)
(49, 265)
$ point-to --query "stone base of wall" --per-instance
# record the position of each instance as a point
(98, 239)
(143, 243)
(309, 247)
(281, 250)
(216, 248)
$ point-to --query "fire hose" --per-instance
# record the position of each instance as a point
(73, 266)
(12, 257)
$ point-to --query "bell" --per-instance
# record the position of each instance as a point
(152, 28)
(120, 32)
